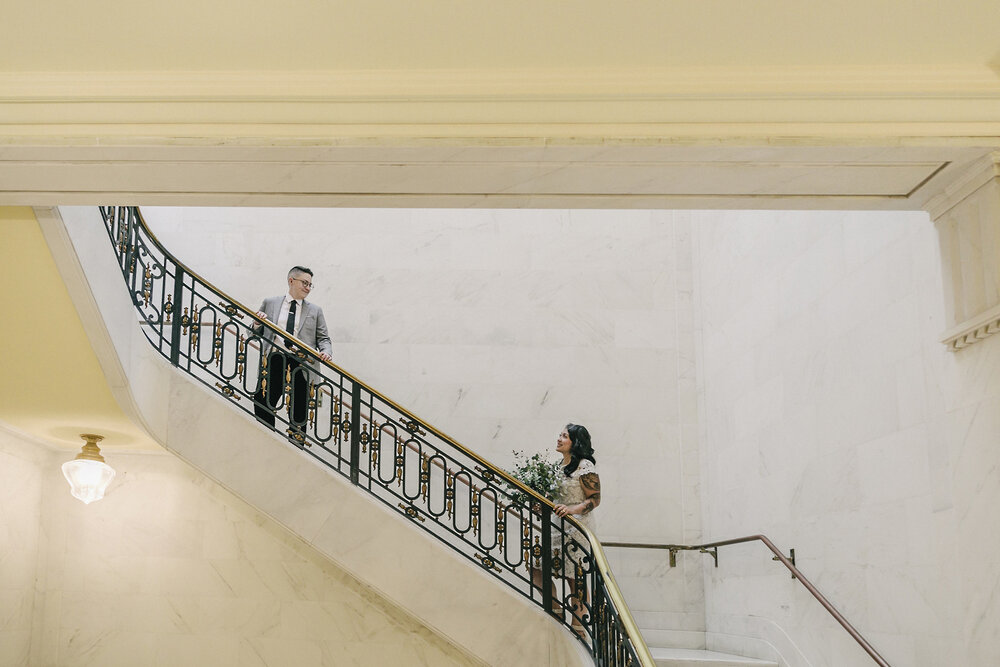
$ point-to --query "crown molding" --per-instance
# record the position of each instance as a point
(973, 330)
(978, 174)
(791, 105)
(468, 84)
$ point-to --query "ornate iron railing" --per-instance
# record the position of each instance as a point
(467, 503)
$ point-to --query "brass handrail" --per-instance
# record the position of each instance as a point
(613, 592)
(778, 556)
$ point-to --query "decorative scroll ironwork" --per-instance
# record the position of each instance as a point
(402, 461)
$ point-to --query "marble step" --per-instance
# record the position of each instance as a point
(688, 657)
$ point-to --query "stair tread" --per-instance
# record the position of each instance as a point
(689, 656)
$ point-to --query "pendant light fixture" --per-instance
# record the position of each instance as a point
(88, 475)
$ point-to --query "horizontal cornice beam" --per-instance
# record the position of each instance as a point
(577, 84)
(791, 104)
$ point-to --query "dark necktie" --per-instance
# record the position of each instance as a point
(290, 324)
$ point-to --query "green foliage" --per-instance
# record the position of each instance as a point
(536, 473)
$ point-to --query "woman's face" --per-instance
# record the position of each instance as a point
(563, 444)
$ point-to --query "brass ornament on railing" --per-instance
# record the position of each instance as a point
(487, 562)
(413, 426)
(241, 357)
(474, 512)
(425, 477)
(486, 474)
(228, 391)
(147, 284)
(288, 385)
(231, 310)
(335, 419)
(411, 512)
(263, 374)
(400, 462)
(312, 405)
(217, 344)
(449, 493)
(500, 525)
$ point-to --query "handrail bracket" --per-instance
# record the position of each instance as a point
(711, 551)
(791, 557)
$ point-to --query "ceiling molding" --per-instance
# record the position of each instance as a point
(484, 174)
(577, 84)
(964, 184)
(782, 104)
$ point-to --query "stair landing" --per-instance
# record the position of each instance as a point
(686, 657)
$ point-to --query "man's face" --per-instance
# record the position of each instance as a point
(299, 285)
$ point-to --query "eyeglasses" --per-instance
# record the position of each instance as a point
(305, 283)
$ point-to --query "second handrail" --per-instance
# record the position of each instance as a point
(784, 560)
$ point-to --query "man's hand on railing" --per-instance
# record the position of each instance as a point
(322, 355)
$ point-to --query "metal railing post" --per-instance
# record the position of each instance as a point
(355, 432)
(546, 517)
(175, 333)
(129, 250)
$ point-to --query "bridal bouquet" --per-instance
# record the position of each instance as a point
(536, 473)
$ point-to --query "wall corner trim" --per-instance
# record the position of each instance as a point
(973, 330)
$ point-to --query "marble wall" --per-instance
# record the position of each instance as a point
(20, 518)
(836, 423)
(171, 569)
(499, 327)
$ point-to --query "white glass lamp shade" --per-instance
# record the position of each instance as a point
(88, 475)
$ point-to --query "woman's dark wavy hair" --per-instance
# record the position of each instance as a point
(580, 448)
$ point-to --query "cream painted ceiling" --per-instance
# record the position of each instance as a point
(53, 387)
(630, 104)
(109, 35)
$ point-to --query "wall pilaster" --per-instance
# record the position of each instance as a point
(967, 218)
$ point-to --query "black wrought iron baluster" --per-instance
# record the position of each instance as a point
(355, 431)
(600, 616)
(124, 236)
(175, 333)
(129, 252)
(545, 514)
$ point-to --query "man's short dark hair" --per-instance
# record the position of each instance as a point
(299, 269)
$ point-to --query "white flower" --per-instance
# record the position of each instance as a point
(538, 474)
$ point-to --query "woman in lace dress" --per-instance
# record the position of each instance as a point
(579, 495)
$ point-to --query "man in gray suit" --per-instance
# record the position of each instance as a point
(306, 322)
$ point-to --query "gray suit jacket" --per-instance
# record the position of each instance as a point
(312, 332)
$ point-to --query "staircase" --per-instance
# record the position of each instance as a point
(682, 657)
(188, 359)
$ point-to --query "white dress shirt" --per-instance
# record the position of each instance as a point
(286, 304)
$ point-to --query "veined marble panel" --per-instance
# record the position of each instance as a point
(169, 568)
(845, 431)
(21, 543)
